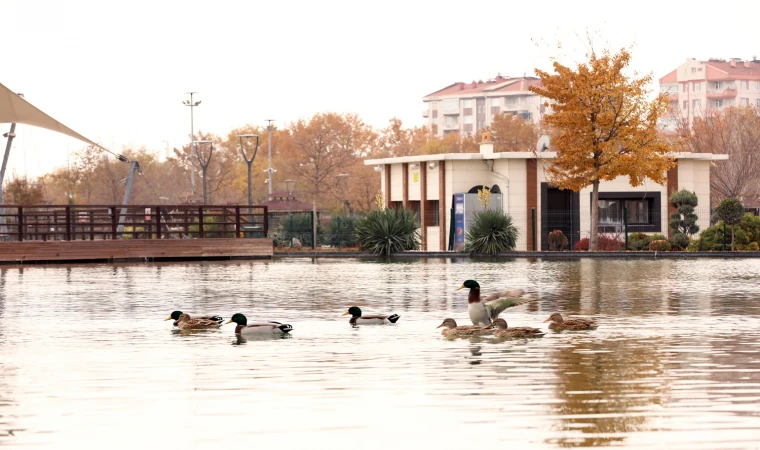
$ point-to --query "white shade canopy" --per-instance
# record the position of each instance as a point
(15, 109)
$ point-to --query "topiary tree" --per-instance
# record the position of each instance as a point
(385, 231)
(683, 222)
(730, 211)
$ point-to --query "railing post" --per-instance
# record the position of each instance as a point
(114, 223)
(157, 215)
(625, 225)
(533, 226)
(68, 223)
(20, 223)
(266, 221)
(201, 233)
(92, 227)
(724, 236)
(237, 222)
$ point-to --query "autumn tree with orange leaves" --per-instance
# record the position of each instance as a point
(606, 127)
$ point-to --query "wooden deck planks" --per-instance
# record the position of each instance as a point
(39, 251)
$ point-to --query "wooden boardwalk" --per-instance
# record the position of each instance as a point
(134, 250)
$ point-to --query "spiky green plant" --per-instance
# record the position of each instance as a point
(387, 231)
(491, 233)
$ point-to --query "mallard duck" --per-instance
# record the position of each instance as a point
(484, 310)
(184, 322)
(503, 331)
(573, 323)
(243, 327)
(358, 319)
(466, 330)
(175, 316)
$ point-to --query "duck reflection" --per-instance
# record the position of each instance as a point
(603, 387)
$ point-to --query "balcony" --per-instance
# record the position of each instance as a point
(673, 98)
(450, 112)
(451, 126)
(718, 94)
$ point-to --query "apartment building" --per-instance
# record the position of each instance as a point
(697, 87)
(466, 108)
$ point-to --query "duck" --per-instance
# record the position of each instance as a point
(502, 330)
(358, 319)
(573, 323)
(245, 328)
(484, 310)
(184, 322)
(175, 316)
(465, 330)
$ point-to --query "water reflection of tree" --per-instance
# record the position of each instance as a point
(603, 394)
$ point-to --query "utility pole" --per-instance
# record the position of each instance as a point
(192, 104)
(10, 135)
(133, 168)
(269, 148)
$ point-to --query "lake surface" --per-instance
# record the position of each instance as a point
(88, 362)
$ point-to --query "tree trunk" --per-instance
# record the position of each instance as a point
(592, 244)
(732, 238)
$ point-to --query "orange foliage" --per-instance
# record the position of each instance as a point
(606, 126)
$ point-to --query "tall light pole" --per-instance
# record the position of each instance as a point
(192, 105)
(288, 184)
(269, 148)
(249, 161)
(204, 162)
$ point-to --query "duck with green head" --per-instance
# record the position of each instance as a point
(175, 316)
(484, 310)
(358, 319)
(451, 329)
(503, 331)
(243, 327)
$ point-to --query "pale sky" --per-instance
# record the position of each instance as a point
(117, 72)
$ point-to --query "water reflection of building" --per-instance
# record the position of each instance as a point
(605, 390)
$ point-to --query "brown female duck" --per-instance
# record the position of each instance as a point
(573, 323)
(466, 330)
(503, 331)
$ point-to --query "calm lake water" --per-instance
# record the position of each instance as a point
(87, 361)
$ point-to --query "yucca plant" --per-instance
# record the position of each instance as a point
(491, 233)
(387, 231)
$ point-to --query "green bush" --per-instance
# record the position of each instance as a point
(491, 233)
(341, 231)
(684, 221)
(660, 245)
(640, 241)
(387, 231)
(299, 227)
(730, 211)
(557, 241)
(680, 241)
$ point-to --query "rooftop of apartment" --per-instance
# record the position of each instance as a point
(489, 88)
(717, 69)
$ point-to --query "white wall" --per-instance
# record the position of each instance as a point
(694, 175)
(397, 193)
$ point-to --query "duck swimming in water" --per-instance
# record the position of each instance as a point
(358, 319)
(573, 323)
(483, 311)
(245, 328)
(502, 330)
(184, 322)
(451, 329)
(175, 316)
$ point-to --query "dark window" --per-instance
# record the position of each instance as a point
(643, 211)
(414, 205)
(431, 213)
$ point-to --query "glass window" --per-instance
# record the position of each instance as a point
(611, 212)
(451, 105)
(697, 105)
(685, 105)
(496, 101)
(467, 103)
(686, 87)
(744, 84)
(468, 119)
(697, 86)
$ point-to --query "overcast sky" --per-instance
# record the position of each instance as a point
(117, 72)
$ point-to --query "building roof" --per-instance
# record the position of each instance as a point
(481, 88)
(672, 77)
(720, 69)
(511, 155)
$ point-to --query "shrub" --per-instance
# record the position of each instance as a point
(491, 233)
(557, 241)
(680, 241)
(341, 231)
(299, 227)
(730, 211)
(387, 231)
(660, 245)
(753, 247)
(684, 221)
(605, 244)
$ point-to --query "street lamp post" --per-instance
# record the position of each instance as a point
(204, 162)
(249, 161)
(192, 105)
(343, 179)
(269, 149)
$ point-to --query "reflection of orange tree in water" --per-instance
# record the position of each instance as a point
(606, 393)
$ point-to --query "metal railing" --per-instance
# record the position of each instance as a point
(102, 222)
